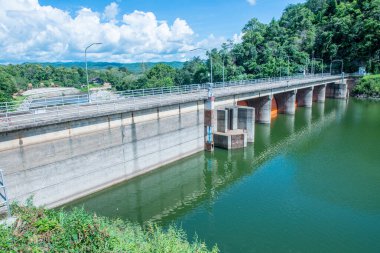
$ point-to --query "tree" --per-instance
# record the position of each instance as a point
(7, 86)
(161, 75)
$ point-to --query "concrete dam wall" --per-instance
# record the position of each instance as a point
(61, 162)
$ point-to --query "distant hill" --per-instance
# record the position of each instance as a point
(132, 67)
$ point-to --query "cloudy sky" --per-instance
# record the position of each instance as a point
(130, 30)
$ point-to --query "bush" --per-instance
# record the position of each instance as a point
(368, 86)
(42, 230)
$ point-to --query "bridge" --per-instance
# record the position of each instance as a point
(63, 148)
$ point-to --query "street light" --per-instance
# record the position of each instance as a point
(200, 48)
(288, 65)
(336, 61)
(224, 58)
(319, 59)
(85, 59)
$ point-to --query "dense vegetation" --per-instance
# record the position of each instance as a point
(41, 230)
(320, 29)
(132, 67)
(368, 86)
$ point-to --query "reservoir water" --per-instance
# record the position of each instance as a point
(309, 183)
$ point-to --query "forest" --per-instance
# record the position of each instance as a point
(324, 30)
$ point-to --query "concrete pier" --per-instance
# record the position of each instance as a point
(246, 121)
(263, 107)
(337, 90)
(222, 121)
(305, 97)
(233, 139)
(319, 93)
(233, 118)
(286, 102)
(236, 126)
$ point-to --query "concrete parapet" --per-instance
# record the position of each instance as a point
(305, 97)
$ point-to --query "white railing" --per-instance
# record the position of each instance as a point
(39, 111)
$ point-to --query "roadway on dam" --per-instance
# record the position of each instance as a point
(20, 119)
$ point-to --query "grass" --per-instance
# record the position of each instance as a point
(41, 230)
(368, 86)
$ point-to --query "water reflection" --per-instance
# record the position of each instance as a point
(343, 172)
(319, 109)
(175, 189)
(288, 122)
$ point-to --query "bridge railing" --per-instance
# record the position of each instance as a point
(35, 111)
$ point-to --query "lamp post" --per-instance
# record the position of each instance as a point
(336, 61)
(288, 65)
(224, 58)
(85, 59)
(200, 48)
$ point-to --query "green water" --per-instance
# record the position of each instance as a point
(310, 183)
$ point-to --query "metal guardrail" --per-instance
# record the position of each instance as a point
(15, 115)
(3, 194)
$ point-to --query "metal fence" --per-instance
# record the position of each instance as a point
(34, 111)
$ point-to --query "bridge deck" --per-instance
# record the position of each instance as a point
(13, 120)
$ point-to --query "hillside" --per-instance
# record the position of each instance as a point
(132, 67)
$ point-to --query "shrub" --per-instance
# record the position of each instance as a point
(368, 86)
(41, 230)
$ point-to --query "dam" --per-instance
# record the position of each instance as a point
(61, 153)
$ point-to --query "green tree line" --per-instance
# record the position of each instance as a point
(326, 30)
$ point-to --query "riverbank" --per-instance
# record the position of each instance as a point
(42, 230)
(368, 88)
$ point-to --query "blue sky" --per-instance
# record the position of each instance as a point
(219, 17)
(130, 30)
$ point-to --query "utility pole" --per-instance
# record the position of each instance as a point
(85, 59)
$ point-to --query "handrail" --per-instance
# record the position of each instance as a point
(3, 193)
(37, 111)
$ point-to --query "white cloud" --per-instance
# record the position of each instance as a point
(111, 11)
(32, 32)
(237, 38)
(251, 2)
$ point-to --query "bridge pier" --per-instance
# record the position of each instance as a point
(232, 117)
(319, 93)
(222, 121)
(286, 102)
(337, 90)
(246, 121)
(263, 107)
(305, 97)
